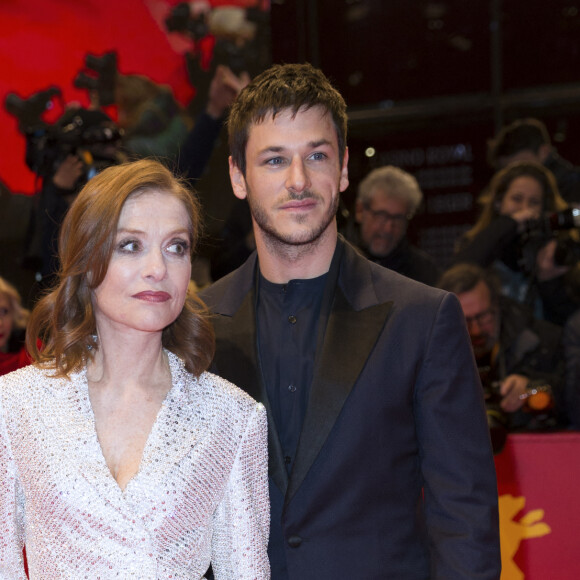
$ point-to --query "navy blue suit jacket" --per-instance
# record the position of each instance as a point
(394, 474)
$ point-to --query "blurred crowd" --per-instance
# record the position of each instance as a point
(516, 272)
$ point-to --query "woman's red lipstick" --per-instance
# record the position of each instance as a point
(150, 296)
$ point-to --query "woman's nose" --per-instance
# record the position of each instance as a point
(155, 266)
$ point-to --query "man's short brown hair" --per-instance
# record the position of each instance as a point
(281, 87)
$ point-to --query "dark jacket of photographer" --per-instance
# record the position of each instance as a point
(409, 261)
(567, 176)
(532, 348)
(501, 246)
(53, 204)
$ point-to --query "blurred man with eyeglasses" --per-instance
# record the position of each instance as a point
(518, 355)
(387, 199)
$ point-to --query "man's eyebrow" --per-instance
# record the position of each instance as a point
(280, 148)
(320, 142)
(271, 149)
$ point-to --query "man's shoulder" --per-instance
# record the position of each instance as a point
(359, 274)
(232, 288)
(420, 266)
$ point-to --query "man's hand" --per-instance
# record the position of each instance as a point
(511, 388)
(546, 266)
(223, 90)
(68, 172)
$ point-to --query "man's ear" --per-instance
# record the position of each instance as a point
(344, 172)
(237, 179)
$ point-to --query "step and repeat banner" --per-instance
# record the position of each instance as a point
(538, 479)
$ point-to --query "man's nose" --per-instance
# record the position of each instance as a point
(298, 179)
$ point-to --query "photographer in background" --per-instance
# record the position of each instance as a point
(83, 142)
(519, 357)
(529, 140)
(197, 147)
(153, 122)
(536, 260)
(387, 200)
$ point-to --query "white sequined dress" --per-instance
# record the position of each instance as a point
(200, 495)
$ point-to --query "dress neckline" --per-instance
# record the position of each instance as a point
(152, 438)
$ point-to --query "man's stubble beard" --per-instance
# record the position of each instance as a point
(297, 244)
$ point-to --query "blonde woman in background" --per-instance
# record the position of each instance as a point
(13, 319)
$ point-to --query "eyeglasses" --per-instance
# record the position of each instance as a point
(382, 216)
(483, 318)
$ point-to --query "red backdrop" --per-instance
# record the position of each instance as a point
(538, 477)
(44, 43)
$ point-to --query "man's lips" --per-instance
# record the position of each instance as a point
(150, 296)
(299, 204)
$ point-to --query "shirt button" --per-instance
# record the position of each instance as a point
(292, 388)
(292, 319)
(294, 541)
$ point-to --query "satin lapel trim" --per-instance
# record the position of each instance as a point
(349, 339)
(238, 354)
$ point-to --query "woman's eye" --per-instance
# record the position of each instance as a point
(178, 247)
(129, 246)
(4, 312)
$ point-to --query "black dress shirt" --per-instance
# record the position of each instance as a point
(288, 318)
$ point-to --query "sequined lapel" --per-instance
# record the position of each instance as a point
(76, 436)
(178, 429)
(174, 433)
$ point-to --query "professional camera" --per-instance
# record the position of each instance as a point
(86, 133)
(29, 111)
(100, 77)
(551, 226)
(566, 219)
(225, 51)
(91, 135)
(181, 20)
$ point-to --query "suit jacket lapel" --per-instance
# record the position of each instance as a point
(350, 336)
(236, 357)
(237, 360)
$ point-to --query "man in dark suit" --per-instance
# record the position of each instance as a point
(380, 459)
